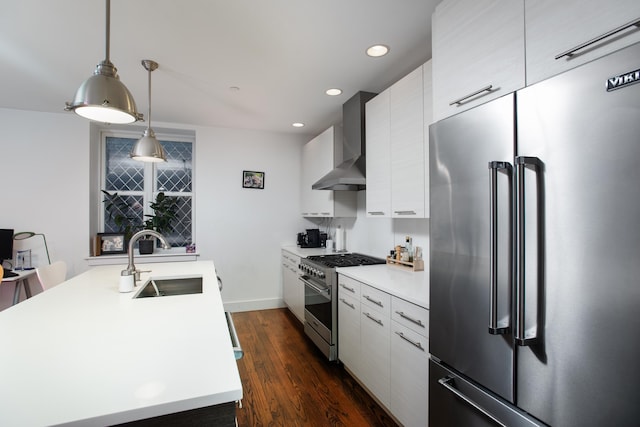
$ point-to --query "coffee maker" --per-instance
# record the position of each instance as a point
(312, 239)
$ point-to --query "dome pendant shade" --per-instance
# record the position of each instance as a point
(103, 97)
(148, 148)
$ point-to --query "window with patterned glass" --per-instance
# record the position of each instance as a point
(139, 182)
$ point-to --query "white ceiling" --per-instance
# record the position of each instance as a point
(281, 54)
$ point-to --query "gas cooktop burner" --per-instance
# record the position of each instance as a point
(345, 260)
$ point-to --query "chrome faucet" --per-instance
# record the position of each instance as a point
(131, 268)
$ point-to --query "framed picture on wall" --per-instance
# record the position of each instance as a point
(252, 179)
(111, 243)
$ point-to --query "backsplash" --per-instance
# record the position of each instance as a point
(376, 236)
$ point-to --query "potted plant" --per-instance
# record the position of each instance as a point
(123, 215)
(165, 211)
(127, 218)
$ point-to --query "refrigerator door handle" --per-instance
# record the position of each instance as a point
(524, 337)
(495, 327)
(447, 381)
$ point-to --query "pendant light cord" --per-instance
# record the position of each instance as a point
(108, 31)
(149, 69)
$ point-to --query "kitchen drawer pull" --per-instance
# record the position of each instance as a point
(378, 303)
(404, 212)
(326, 213)
(410, 319)
(462, 100)
(410, 341)
(375, 213)
(348, 303)
(378, 321)
(352, 290)
(569, 53)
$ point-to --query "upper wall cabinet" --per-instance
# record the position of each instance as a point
(427, 81)
(397, 149)
(406, 111)
(317, 161)
(564, 34)
(378, 198)
(478, 53)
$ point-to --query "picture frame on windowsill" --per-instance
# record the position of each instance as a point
(110, 244)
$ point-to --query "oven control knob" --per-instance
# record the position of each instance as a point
(321, 274)
(314, 272)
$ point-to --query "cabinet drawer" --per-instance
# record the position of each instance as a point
(376, 299)
(289, 258)
(410, 315)
(410, 340)
(348, 286)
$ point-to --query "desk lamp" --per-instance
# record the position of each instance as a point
(23, 235)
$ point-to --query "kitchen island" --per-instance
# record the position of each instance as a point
(83, 353)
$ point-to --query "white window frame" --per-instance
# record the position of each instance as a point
(150, 173)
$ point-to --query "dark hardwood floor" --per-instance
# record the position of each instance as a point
(288, 382)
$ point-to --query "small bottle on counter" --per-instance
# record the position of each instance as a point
(398, 252)
(404, 257)
(409, 246)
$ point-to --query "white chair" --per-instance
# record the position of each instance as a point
(52, 274)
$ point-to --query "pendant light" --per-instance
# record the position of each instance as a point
(103, 97)
(148, 148)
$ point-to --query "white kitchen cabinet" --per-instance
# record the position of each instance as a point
(478, 53)
(375, 329)
(292, 289)
(397, 151)
(409, 363)
(318, 160)
(427, 86)
(407, 146)
(554, 28)
(383, 342)
(378, 156)
(349, 324)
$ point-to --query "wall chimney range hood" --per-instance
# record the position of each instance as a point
(351, 173)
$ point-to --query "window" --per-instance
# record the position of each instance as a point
(140, 182)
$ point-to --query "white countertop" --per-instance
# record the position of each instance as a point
(84, 354)
(305, 252)
(412, 286)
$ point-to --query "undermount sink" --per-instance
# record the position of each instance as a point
(170, 286)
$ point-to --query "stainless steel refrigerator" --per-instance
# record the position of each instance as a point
(535, 254)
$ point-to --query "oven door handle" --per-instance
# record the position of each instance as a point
(314, 287)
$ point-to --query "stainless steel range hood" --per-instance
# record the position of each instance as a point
(351, 173)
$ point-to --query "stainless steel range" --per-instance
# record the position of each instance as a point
(320, 296)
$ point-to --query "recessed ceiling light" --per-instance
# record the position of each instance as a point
(298, 125)
(333, 92)
(377, 50)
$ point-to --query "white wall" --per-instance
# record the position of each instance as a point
(243, 229)
(44, 169)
